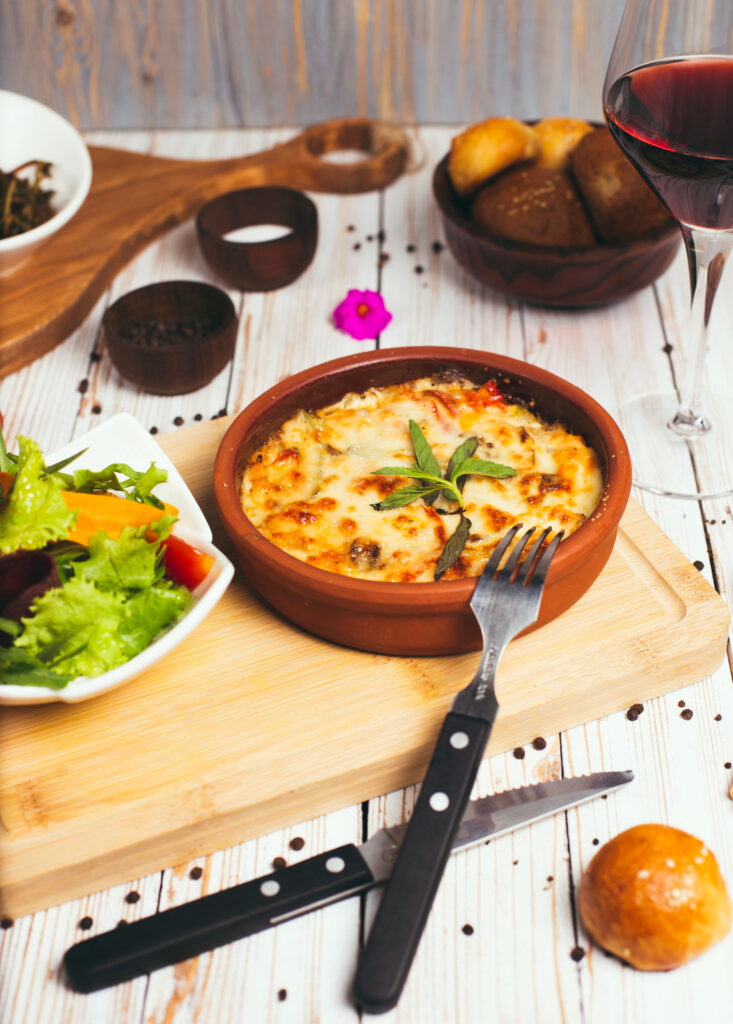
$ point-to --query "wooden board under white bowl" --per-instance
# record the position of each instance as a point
(252, 724)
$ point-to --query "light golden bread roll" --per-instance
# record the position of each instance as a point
(558, 137)
(654, 897)
(484, 149)
(621, 204)
(534, 205)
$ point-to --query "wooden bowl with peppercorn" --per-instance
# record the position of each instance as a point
(45, 175)
(400, 613)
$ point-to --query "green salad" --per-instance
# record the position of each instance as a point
(89, 574)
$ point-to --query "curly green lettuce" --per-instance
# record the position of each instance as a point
(117, 601)
(35, 513)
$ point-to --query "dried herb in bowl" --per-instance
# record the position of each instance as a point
(24, 202)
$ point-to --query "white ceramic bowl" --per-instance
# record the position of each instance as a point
(123, 439)
(31, 131)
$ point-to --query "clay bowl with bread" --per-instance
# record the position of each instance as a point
(565, 221)
(413, 618)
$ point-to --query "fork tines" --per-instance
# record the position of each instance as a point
(533, 568)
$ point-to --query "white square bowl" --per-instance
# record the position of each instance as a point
(123, 439)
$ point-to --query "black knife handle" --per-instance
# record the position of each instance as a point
(411, 888)
(173, 935)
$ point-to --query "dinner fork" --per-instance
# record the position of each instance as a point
(505, 601)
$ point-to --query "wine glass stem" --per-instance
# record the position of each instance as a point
(706, 255)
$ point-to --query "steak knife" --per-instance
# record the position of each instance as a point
(214, 920)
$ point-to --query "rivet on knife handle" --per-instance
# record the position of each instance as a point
(406, 903)
(214, 920)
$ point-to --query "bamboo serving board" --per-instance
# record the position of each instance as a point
(251, 724)
(135, 197)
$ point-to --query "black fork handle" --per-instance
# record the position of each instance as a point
(416, 875)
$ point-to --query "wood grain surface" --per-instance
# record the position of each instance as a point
(252, 723)
(209, 63)
(135, 197)
(503, 942)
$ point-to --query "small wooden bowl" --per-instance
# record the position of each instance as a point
(560, 276)
(412, 618)
(177, 361)
(258, 266)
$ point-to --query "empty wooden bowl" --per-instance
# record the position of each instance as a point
(258, 266)
(171, 337)
(561, 276)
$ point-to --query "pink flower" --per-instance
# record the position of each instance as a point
(361, 314)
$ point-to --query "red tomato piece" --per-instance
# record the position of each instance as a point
(184, 563)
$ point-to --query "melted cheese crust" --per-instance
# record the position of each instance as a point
(309, 488)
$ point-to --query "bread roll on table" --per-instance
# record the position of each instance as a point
(654, 897)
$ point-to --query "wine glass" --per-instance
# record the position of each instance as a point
(668, 101)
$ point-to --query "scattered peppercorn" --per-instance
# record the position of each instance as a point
(596, 842)
(282, 995)
(5, 923)
(518, 753)
(680, 703)
(86, 923)
(95, 357)
(178, 421)
(437, 247)
(698, 564)
(351, 227)
(686, 714)
(370, 238)
(83, 386)
(196, 873)
(631, 715)
(96, 409)
(577, 954)
(356, 246)
(419, 269)
(278, 863)
(718, 718)
(727, 764)
(132, 897)
(297, 843)
(467, 929)
(222, 412)
(667, 348)
(121, 922)
(539, 743)
(550, 878)
(153, 430)
(198, 417)
(411, 247)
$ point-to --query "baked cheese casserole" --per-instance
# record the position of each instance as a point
(311, 488)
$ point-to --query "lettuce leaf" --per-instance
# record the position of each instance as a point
(117, 602)
(23, 669)
(35, 513)
(129, 562)
(118, 476)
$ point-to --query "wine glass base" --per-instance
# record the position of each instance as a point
(679, 464)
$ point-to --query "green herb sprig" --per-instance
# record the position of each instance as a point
(427, 470)
(432, 483)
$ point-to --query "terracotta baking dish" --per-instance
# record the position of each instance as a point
(412, 618)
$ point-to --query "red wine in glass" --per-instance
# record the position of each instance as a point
(674, 120)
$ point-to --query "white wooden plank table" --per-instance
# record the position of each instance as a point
(503, 942)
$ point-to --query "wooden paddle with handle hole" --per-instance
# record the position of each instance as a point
(135, 197)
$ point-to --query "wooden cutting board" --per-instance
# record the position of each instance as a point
(135, 197)
(252, 725)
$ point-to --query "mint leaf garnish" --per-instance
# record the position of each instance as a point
(427, 470)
